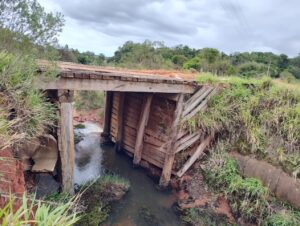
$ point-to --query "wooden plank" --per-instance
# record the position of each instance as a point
(195, 156)
(195, 96)
(200, 107)
(169, 159)
(193, 104)
(107, 118)
(120, 131)
(141, 128)
(187, 142)
(114, 85)
(154, 141)
(66, 147)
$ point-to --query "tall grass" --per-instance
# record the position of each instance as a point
(24, 111)
(247, 197)
(258, 116)
(19, 212)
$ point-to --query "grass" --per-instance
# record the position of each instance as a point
(247, 197)
(97, 196)
(24, 113)
(203, 217)
(258, 116)
(79, 126)
(27, 211)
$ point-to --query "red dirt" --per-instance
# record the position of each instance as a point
(90, 115)
(11, 177)
(65, 66)
(11, 173)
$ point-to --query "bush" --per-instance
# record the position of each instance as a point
(89, 100)
(287, 76)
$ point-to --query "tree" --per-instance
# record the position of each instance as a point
(28, 19)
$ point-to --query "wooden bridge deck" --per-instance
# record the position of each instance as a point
(83, 77)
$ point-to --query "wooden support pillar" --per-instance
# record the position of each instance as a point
(120, 131)
(105, 135)
(170, 156)
(66, 140)
(144, 116)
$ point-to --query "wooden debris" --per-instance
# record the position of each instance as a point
(197, 154)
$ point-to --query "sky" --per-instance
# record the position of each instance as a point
(231, 26)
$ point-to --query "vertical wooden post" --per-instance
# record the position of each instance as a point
(105, 135)
(144, 116)
(169, 158)
(120, 132)
(66, 140)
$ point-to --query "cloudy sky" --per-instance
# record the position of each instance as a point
(229, 25)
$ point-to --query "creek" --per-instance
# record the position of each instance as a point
(144, 204)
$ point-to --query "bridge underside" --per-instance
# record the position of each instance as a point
(142, 116)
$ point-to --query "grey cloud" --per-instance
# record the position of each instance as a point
(230, 25)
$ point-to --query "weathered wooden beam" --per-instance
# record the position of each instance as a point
(195, 156)
(170, 156)
(120, 131)
(193, 104)
(187, 141)
(200, 107)
(66, 141)
(195, 95)
(147, 99)
(114, 85)
(105, 135)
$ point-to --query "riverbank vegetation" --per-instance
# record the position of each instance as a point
(258, 118)
(97, 196)
(28, 211)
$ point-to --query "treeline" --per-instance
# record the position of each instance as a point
(155, 55)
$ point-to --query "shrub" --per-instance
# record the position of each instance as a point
(287, 76)
(88, 100)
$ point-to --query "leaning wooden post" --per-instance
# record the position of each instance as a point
(66, 140)
(144, 116)
(170, 156)
(120, 132)
(105, 135)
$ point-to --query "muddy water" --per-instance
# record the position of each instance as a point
(144, 204)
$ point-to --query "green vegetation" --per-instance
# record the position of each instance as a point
(97, 196)
(24, 112)
(247, 197)
(259, 117)
(26, 212)
(253, 113)
(88, 100)
(79, 126)
(202, 217)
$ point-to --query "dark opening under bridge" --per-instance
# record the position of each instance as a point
(143, 111)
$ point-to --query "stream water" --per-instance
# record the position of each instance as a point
(144, 204)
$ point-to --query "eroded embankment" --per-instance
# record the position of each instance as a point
(257, 118)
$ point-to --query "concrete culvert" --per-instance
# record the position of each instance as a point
(279, 183)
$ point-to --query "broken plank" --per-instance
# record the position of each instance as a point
(193, 104)
(200, 151)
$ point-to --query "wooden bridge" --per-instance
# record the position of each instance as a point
(143, 111)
